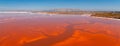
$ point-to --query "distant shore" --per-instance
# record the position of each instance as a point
(105, 14)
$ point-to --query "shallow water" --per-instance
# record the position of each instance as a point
(58, 30)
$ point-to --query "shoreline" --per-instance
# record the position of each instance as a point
(105, 18)
(87, 15)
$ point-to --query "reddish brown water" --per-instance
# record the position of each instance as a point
(43, 30)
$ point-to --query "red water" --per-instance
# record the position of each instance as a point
(44, 30)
